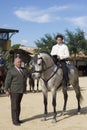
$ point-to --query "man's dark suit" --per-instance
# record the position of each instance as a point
(15, 83)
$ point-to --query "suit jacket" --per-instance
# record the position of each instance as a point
(15, 82)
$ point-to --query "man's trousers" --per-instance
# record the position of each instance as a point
(16, 106)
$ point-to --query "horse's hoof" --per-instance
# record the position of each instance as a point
(54, 121)
(79, 113)
(43, 119)
(63, 113)
(33, 91)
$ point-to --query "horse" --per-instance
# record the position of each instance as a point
(32, 82)
(3, 72)
(51, 79)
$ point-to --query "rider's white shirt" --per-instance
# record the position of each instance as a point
(60, 50)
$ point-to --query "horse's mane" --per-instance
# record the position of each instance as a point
(41, 51)
(44, 51)
(35, 58)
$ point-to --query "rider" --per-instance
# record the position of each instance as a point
(61, 52)
(2, 61)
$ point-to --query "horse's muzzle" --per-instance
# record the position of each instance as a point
(36, 75)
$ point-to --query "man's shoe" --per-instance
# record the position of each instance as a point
(68, 84)
(20, 121)
(16, 123)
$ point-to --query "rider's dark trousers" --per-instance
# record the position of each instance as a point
(15, 106)
(65, 71)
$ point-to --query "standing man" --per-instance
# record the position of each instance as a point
(15, 86)
(61, 51)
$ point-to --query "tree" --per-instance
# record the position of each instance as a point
(46, 42)
(7, 57)
(15, 46)
(76, 41)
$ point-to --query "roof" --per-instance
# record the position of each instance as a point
(6, 34)
(2, 30)
(28, 49)
(19, 51)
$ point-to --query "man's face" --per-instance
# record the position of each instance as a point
(17, 62)
(59, 40)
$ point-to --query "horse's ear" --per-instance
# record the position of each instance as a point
(39, 55)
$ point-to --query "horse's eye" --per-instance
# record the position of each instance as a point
(39, 64)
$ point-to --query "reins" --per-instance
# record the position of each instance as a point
(49, 77)
(46, 69)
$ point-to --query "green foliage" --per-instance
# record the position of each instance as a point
(7, 57)
(46, 42)
(75, 40)
(15, 46)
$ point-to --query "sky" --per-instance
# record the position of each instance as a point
(35, 18)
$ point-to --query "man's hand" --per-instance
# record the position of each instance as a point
(58, 57)
(7, 93)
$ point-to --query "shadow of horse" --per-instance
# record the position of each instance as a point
(68, 114)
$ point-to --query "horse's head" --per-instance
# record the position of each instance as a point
(37, 65)
(41, 62)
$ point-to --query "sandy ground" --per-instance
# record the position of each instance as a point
(32, 111)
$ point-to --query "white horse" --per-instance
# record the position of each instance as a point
(51, 78)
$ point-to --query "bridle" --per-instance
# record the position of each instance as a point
(44, 70)
(43, 63)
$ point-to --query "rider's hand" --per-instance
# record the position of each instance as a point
(58, 57)
(7, 93)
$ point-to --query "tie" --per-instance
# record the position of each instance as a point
(21, 72)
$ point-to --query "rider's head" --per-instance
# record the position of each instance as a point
(59, 39)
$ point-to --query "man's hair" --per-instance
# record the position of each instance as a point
(59, 36)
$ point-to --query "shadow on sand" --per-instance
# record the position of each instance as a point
(67, 114)
(3, 95)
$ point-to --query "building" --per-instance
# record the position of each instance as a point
(29, 49)
(5, 38)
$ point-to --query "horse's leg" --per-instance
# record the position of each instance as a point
(30, 85)
(54, 105)
(0, 86)
(45, 105)
(64, 89)
(33, 86)
(78, 96)
(37, 85)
